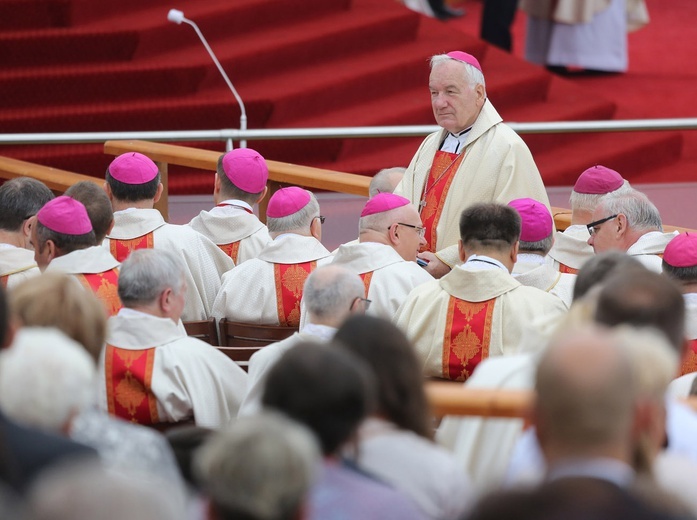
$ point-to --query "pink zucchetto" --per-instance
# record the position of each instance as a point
(287, 201)
(598, 180)
(246, 169)
(681, 251)
(383, 202)
(536, 220)
(465, 58)
(133, 168)
(65, 215)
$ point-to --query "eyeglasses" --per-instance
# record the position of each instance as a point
(321, 219)
(592, 227)
(420, 230)
(366, 303)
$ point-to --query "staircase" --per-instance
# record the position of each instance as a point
(81, 65)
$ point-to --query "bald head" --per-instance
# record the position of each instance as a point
(330, 295)
(386, 180)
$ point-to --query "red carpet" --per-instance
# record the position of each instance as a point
(80, 65)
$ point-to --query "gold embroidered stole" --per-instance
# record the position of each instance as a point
(289, 280)
(105, 287)
(129, 384)
(120, 249)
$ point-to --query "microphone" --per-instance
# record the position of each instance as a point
(177, 16)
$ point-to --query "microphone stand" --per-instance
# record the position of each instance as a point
(176, 16)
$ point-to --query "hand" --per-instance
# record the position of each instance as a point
(435, 267)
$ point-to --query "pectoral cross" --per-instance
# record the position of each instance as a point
(422, 205)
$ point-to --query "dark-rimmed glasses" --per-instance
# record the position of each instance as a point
(366, 303)
(420, 230)
(593, 225)
(321, 219)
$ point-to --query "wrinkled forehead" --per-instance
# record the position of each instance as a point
(449, 72)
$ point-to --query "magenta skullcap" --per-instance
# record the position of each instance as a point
(598, 180)
(681, 251)
(536, 220)
(133, 168)
(246, 169)
(383, 202)
(287, 201)
(465, 58)
(65, 215)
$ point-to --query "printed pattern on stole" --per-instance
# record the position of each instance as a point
(566, 269)
(467, 337)
(290, 279)
(120, 249)
(129, 384)
(689, 363)
(105, 286)
(232, 250)
(438, 183)
(366, 277)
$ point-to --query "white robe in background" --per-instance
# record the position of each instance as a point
(205, 262)
(190, 378)
(228, 224)
(535, 271)
(571, 247)
(423, 315)
(648, 247)
(497, 167)
(17, 264)
(392, 278)
(248, 292)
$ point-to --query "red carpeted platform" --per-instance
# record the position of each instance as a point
(80, 65)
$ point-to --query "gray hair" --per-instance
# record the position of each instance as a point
(473, 76)
(146, 273)
(330, 290)
(261, 467)
(641, 214)
(589, 201)
(382, 181)
(45, 378)
(377, 221)
(540, 246)
(21, 198)
(299, 220)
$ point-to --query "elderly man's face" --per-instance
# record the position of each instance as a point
(455, 105)
(604, 236)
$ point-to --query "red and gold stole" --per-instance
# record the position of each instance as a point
(3, 280)
(467, 337)
(438, 183)
(566, 269)
(232, 250)
(120, 249)
(366, 277)
(129, 384)
(290, 279)
(689, 362)
(105, 286)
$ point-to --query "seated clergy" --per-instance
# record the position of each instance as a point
(64, 242)
(533, 267)
(151, 372)
(571, 250)
(20, 199)
(628, 221)
(390, 235)
(240, 183)
(478, 309)
(267, 290)
(133, 186)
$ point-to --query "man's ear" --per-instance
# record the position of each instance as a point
(158, 193)
(27, 226)
(165, 300)
(108, 191)
(514, 252)
(50, 250)
(393, 235)
(622, 225)
(480, 92)
(461, 250)
(263, 194)
(316, 229)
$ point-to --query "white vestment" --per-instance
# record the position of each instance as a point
(190, 378)
(534, 271)
(249, 294)
(497, 167)
(205, 262)
(420, 469)
(228, 224)
(649, 246)
(90, 260)
(424, 313)
(571, 247)
(17, 264)
(392, 277)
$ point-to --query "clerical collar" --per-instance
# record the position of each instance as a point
(236, 204)
(453, 143)
(323, 332)
(482, 263)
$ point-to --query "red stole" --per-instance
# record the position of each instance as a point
(689, 362)
(366, 277)
(232, 250)
(105, 287)
(290, 279)
(129, 384)
(467, 337)
(438, 183)
(120, 249)
(566, 269)
(3, 280)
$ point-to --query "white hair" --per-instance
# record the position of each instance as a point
(330, 290)
(146, 273)
(299, 220)
(641, 214)
(473, 76)
(382, 181)
(45, 378)
(540, 246)
(589, 201)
